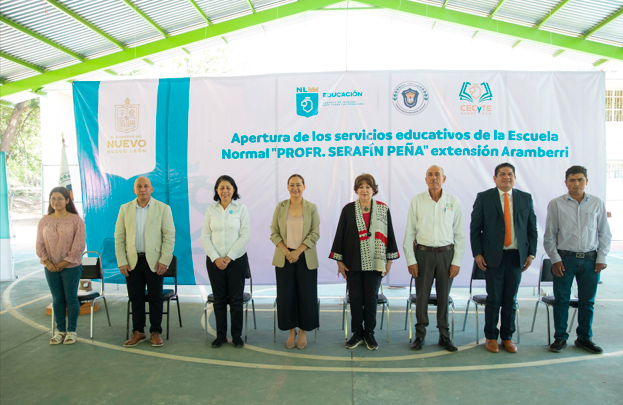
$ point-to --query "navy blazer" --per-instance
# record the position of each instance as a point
(487, 228)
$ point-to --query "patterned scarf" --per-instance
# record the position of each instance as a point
(373, 241)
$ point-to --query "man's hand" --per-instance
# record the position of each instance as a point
(160, 269)
(527, 263)
(125, 270)
(558, 269)
(599, 267)
(388, 267)
(48, 265)
(341, 269)
(220, 263)
(480, 262)
(413, 269)
(454, 271)
(294, 255)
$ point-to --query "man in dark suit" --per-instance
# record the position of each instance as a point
(503, 235)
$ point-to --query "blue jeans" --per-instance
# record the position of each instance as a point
(584, 272)
(64, 289)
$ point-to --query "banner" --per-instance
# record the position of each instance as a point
(330, 127)
(64, 176)
(6, 257)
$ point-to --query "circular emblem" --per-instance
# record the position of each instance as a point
(410, 98)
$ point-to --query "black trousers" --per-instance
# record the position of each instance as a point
(228, 289)
(363, 287)
(502, 286)
(136, 281)
(297, 296)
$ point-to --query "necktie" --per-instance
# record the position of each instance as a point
(507, 221)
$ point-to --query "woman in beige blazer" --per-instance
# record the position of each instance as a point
(295, 229)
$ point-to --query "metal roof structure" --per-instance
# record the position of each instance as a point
(45, 42)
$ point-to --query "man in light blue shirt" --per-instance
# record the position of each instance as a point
(577, 240)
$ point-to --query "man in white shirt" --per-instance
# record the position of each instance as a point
(434, 245)
(144, 241)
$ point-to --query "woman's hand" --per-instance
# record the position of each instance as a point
(220, 263)
(48, 265)
(388, 267)
(294, 255)
(341, 269)
(61, 266)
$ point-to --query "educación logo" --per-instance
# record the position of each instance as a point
(410, 98)
(307, 101)
(476, 94)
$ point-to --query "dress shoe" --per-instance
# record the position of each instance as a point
(589, 346)
(447, 344)
(509, 346)
(302, 342)
(238, 342)
(156, 340)
(558, 346)
(492, 345)
(135, 339)
(354, 341)
(417, 343)
(218, 342)
(290, 341)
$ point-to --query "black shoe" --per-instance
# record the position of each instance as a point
(218, 342)
(558, 346)
(417, 343)
(354, 341)
(589, 346)
(447, 344)
(371, 341)
(238, 342)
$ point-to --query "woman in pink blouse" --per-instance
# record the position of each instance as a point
(61, 239)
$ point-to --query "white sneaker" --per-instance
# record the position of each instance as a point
(70, 338)
(58, 338)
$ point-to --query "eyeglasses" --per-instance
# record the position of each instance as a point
(57, 199)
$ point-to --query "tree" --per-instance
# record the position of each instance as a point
(20, 127)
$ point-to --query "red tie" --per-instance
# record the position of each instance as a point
(507, 221)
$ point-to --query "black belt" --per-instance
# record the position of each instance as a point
(578, 255)
(434, 249)
(141, 254)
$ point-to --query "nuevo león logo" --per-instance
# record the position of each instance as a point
(476, 94)
(410, 98)
(126, 117)
(307, 101)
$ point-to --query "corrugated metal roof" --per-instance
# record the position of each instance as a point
(170, 15)
(525, 12)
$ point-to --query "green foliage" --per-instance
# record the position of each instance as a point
(24, 163)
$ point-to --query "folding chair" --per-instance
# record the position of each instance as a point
(168, 295)
(480, 300)
(432, 300)
(275, 321)
(382, 300)
(246, 297)
(548, 300)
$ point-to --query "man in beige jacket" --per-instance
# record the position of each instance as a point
(144, 241)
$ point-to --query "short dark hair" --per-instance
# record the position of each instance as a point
(503, 165)
(296, 175)
(367, 178)
(576, 170)
(70, 205)
(233, 184)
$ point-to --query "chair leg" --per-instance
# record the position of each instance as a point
(205, 312)
(179, 313)
(406, 313)
(168, 309)
(549, 335)
(388, 321)
(127, 327)
(316, 330)
(246, 320)
(344, 323)
(343, 314)
(465, 319)
(107, 314)
(92, 303)
(53, 326)
(410, 313)
(572, 319)
(382, 315)
(477, 327)
(275, 321)
(518, 328)
(453, 321)
(536, 308)
(253, 306)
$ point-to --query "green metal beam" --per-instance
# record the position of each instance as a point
(111, 72)
(251, 5)
(445, 3)
(144, 17)
(551, 13)
(558, 53)
(496, 9)
(602, 24)
(515, 44)
(3, 81)
(148, 61)
(600, 62)
(200, 11)
(39, 92)
(177, 41)
(84, 22)
(185, 50)
(501, 27)
(22, 62)
(6, 104)
(41, 38)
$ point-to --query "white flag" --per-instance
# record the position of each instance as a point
(64, 178)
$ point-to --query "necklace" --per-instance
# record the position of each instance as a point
(366, 209)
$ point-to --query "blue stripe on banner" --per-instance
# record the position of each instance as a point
(103, 194)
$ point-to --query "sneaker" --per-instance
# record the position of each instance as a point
(58, 338)
(70, 338)
(417, 343)
(218, 342)
(371, 341)
(135, 339)
(156, 340)
(589, 346)
(238, 342)
(447, 344)
(354, 341)
(558, 346)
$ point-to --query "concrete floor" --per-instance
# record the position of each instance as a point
(186, 370)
